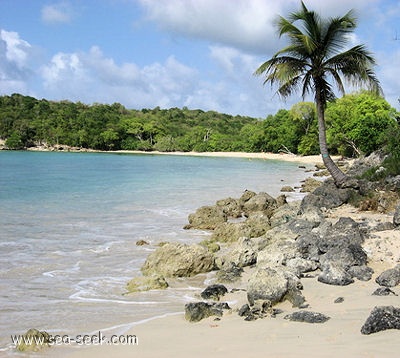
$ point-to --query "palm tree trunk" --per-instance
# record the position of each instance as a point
(338, 176)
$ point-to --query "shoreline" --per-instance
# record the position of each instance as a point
(308, 159)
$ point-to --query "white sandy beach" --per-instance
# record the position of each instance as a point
(276, 337)
(309, 159)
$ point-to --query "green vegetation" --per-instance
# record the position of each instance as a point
(26, 121)
(317, 54)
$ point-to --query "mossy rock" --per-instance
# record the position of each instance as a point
(139, 284)
(33, 341)
(211, 245)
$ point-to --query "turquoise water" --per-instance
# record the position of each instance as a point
(69, 223)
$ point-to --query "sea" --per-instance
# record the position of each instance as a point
(69, 223)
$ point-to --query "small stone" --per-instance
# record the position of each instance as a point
(33, 336)
(383, 291)
(339, 300)
(142, 243)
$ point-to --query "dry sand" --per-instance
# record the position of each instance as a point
(233, 337)
(310, 159)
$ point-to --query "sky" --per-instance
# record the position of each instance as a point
(171, 53)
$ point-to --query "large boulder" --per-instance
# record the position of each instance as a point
(389, 278)
(206, 218)
(327, 196)
(382, 318)
(274, 285)
(178, 260)
(260, 202)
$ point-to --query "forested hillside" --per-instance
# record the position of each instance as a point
(358, 123)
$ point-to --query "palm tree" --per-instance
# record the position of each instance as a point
(313, 58)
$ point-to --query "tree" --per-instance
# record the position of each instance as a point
(313, 58)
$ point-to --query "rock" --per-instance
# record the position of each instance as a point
(178, 260)
(206, 218)
(327, 196)
(246, 196)
(308, 246)
(362, 273)
(33, 341)
(260, 202)
(382, 318)
(339, 300)
(214, 292)
(141, 243)
(287, 189)
(352, 255)
(389, 278)
(310, 184)
(259, 223)
(277, 253)
(242, 254)
(260, 309)
(231, 232)
(383, 291)
(284, 214)
(210, 245)
(229, 273)
(268, 284)
(146, 283)
(334, 274)
(298, 265)
(196, 311)
(230, 207)
(307, 316)
(396, 217)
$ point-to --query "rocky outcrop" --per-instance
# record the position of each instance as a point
(383, 291)
(196, 311)
(178, 260)
(33, 341)
(382, 318)
(389, 278)
(260, 202)
(206, 218)
(242, 253)
(229, 272)
(307, 316)
(146, 283)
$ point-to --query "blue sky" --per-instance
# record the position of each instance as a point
(170, 53)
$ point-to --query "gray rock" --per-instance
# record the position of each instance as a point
(260, 202)
(214, 292)
(196, 311)
(307, 245)
(307, 316)
(339, 300)
(383, 291)
(389, 278)
(246, 196)
(178, 260)
(334, 274)
(242, 253)
(284, 214)
(267, 284)
(277, 253)
(206, 218)
(328, 196)
(362, 273)
(230, 272)
(382, 318)
(396, 217)
(299, 265)
(352, 255)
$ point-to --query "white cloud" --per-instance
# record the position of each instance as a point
(14, 61)
(244, 24)
(57, 13)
